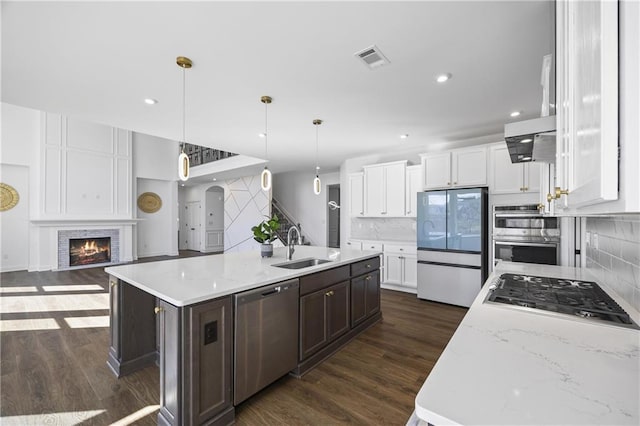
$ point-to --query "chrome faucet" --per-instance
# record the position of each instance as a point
(290, 244)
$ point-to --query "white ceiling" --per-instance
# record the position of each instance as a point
(99, 61)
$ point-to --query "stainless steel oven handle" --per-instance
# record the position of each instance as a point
(514, 243)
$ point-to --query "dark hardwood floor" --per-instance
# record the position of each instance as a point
(54, 341)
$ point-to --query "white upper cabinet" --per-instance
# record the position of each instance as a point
(384, 189)
(509, 178)
(356, 194)
(436, 169)
(457, 168)
(587, 92)
(414, 185)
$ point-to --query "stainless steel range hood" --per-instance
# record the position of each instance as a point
(532, 140)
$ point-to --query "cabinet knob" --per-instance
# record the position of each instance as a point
(526, 188)
(401, 249)
(113, 283)
(329, 293)
(157, 310)
(448, 183)
(361, 212)
(560, 192)
(455, 183)
(368, 278)
(368, 265)
(383, 213)
(540, 206)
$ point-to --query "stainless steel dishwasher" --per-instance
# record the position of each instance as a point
(266, 337)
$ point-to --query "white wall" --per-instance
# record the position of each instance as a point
(154, 157)
(14, 223)
(155, 166)
(157, 232)
(19, 151)
(294, 192)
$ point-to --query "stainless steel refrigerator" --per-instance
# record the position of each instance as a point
(453, 244)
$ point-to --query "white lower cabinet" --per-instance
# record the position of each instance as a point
(400, 267)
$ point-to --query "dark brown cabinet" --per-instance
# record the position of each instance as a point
(195, 363)
(324, 316)
(132, 322)
(365, 297)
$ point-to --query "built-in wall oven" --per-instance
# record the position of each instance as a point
(522, 234)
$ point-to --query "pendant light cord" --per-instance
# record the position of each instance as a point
(317, 150)
(266, 133)
(183, 106)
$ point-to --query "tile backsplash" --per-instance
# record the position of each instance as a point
(392, 229)
(613, 254)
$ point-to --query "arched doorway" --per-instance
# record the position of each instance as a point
(213, 220)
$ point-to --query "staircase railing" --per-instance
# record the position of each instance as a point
(286, 222)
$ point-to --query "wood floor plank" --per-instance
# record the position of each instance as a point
(59, 375)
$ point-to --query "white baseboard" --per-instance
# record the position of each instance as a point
(399, 288)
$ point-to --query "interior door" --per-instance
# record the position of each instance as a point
(192, 225)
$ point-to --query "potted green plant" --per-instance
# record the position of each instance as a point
(265, 233)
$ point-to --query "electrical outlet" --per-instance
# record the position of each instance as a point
(210, 332)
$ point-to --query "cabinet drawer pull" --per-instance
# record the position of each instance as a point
(329, 293)
(157, 310)
(368, 265)
(383, 213)
(401, 249)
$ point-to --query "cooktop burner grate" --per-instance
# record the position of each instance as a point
(581, 298)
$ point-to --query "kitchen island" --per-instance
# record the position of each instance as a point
(182, 314)
(507, 365)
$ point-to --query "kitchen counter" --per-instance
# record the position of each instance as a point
(186, 281)
(507, 366)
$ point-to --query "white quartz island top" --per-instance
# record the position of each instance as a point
(186, 281)
(508, 366)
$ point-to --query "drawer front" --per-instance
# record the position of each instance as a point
(320, 280)
(365, 266)
(400, 248)
(372, 245)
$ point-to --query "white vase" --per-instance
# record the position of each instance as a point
(266, 250)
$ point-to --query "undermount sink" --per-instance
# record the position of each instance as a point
(302, 263)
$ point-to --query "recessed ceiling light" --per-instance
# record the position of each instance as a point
(528, 140)
(443, 77)
(404, 136)
(150, 101)
(262, 135)
(515, 113)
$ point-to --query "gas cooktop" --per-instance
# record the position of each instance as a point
(579, 298)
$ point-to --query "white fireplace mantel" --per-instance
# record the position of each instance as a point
(80, 222)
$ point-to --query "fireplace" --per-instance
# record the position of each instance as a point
(87, 251)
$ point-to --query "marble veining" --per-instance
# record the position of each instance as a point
(391, 229)
(508, 367)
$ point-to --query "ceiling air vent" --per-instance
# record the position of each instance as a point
(372, 57)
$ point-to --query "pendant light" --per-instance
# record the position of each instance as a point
(265, 177)
(317, 186)
(183, 160)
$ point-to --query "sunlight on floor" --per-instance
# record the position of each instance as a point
(53, 303)
(70, 418)
(24, 289)
(131, 418)
(88, 322)
(30, 324)
(73, 287)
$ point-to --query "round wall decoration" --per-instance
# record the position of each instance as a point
(8, 197)
(149, 202)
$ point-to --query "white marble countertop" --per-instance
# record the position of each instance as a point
(506, 366)
(186, 281)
